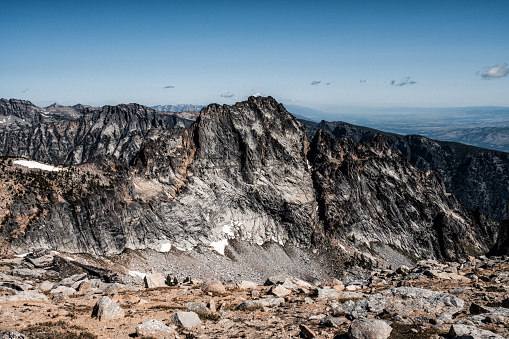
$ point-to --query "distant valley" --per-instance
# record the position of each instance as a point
(486, 127)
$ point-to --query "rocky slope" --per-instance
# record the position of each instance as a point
(235, 193)
(478, 177)
(46, 295)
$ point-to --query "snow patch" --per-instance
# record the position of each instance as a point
(22, 255)
(342, 247)
(166, 247)
(35, 164)
(55, 252)
(228, 230)
(219, 246)
(69, 258)
(136, 274)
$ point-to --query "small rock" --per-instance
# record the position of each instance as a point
(331, 321)
(279, 291)
(46, 286)
(85, 286)
(306, 332)
(317, 317)
(63, 290)
(196, 307)
(369, 329)
(505, 303)
(11, 335)
(478, 309)
(154, 280)
(155, 328)
(25, 272)
(247, 285)
(212, 305)
(186, 319)
(114, 288)
(106, 309)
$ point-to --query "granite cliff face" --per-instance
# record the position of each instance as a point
(371, 195)
(240, 181)
(478, 177)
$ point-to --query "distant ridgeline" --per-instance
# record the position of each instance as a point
(241, 181)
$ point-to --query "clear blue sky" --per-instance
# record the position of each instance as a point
(357, 53)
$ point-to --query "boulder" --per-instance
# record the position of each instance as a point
(497, 315)
(279, 291)
(11, 335)
(261, 303)
(106, 309)
(46, 286)
(31, 295)
(369, 329)
(460, 331)
(186, 319)
(41, 262)
(63, 290)
(197, 307)
(155, 328)
(247, 285)
(306, 332)
(26, 273)
(213, 286)
(330, 293)
(410, 301)
(154, 280)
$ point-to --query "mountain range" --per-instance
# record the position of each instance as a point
(246, 189)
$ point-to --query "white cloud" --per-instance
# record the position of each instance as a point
(227, 95)
(497, 71)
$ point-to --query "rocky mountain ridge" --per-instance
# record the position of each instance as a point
(240, 185)
(478, 177)
(77, 137)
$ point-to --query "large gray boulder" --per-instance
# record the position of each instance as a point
(24, 296)
(154, 280)
(459, 331)
(11, 335)
(197, 307)
(106, 309)
(499, 315)
(261, 303)
(186, 319)
(155, 328)
(369, 329)
(406, 302)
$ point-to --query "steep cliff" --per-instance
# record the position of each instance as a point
(478, 177)
(371, 195)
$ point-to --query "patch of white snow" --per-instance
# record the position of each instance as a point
(228, 230)
(219, 246)
(35, 164)
(136, 274)
(22, 255)
(166, 247)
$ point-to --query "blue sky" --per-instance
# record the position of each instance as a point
(320, 54)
